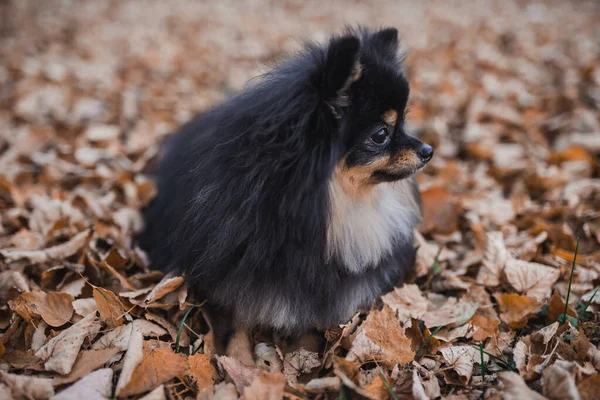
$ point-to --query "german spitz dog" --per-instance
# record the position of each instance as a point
(293, 204)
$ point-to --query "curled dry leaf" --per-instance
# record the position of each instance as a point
(95, 386)
(556, 307)
(381, 338)
(87, 361)
(133, 358)
(167, 285)
(483, 327)
(266, 386)
(61, 351)
(158, 366)
(85, 307)
(268, 357)
(120, 336)
(202, 371)
(516, 310)
(495, 256)
(298, 362)
(515, 387)
(452, 313)
(184, 338)
(441, 210)
(322, 385)
(61, 251)
(55, 308)
(241, 374)
(407, 302)
(534, 279)
(26, 387)
(461, 359)
(109, 306)
(559, 384)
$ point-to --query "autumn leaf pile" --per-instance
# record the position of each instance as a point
(508, 93)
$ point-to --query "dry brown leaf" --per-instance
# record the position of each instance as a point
(559, 384)
(516, 310)
(484, 327)
(556, 307)
(157, 367)
(451, 313)
(184, 338)
(22, 307)
(39, 337)
(109, 306)
(241, 374)
(202, 370)
(61, 351)
(441, 210)
(535, 280)
(381, 338)
(133, 358)
(87, 361)
(94, 386)
(120, 336)
(298, 362)
(268, 357)
(461, 359)
(589, 387)
(156, 394)
(495, 256)
(322, 385)
(515, 387)
(55, 308)
(24, 387)
(61, 251)
(84, 307)
(407, 302)
(266, 386)
(167, 285)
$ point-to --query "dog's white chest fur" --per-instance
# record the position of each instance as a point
(362, 230)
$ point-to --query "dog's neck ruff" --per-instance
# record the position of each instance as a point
(363, 230)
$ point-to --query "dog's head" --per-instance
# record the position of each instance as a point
(367, 92)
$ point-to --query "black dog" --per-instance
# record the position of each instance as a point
(293, 204)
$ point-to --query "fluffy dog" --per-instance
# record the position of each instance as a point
(294, 203)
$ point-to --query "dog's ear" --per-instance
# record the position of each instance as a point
(386, 42)
(341, 68)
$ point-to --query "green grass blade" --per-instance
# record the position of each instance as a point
(585, 307)
(482, 362)
(388, 387)
(565, 316)
(181, 328)
(428, 339)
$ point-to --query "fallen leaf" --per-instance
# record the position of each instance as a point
(589, 387)
(120, 336)
(266, 386)
(556, 308)
(322, 385)
(61, 251)
(156, 394)
(268, 357)
(452, 313)
(87, 361)
(534, 279)
(515, 310)
(558, 384)
(167, 285)
(184, 338)
(407, 302)
(133, 358)
(495, 256)
(484, 327)
(202, 370)
(441, 210)
(55, 308)
(241, 374)
(515, 387)
(157, 367)
(298, 362)
(61, 351)
(109, 306)
(39, 337)
(461, 359)
(94, 386)
(27, 387)
(381, 338)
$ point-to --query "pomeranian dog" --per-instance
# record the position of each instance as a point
(292, 205)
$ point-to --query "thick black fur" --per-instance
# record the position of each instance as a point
(243, 190)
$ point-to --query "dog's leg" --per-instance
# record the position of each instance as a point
(228, 339)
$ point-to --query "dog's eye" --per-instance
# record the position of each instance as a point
(380, 136)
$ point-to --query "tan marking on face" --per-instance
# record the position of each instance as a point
(405, 160)
(355, 181)
(390, 117)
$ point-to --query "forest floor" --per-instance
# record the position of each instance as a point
(508, 93)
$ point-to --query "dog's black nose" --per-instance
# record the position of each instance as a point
(426, 152)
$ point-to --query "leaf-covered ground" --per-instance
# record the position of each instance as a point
(508, 92)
